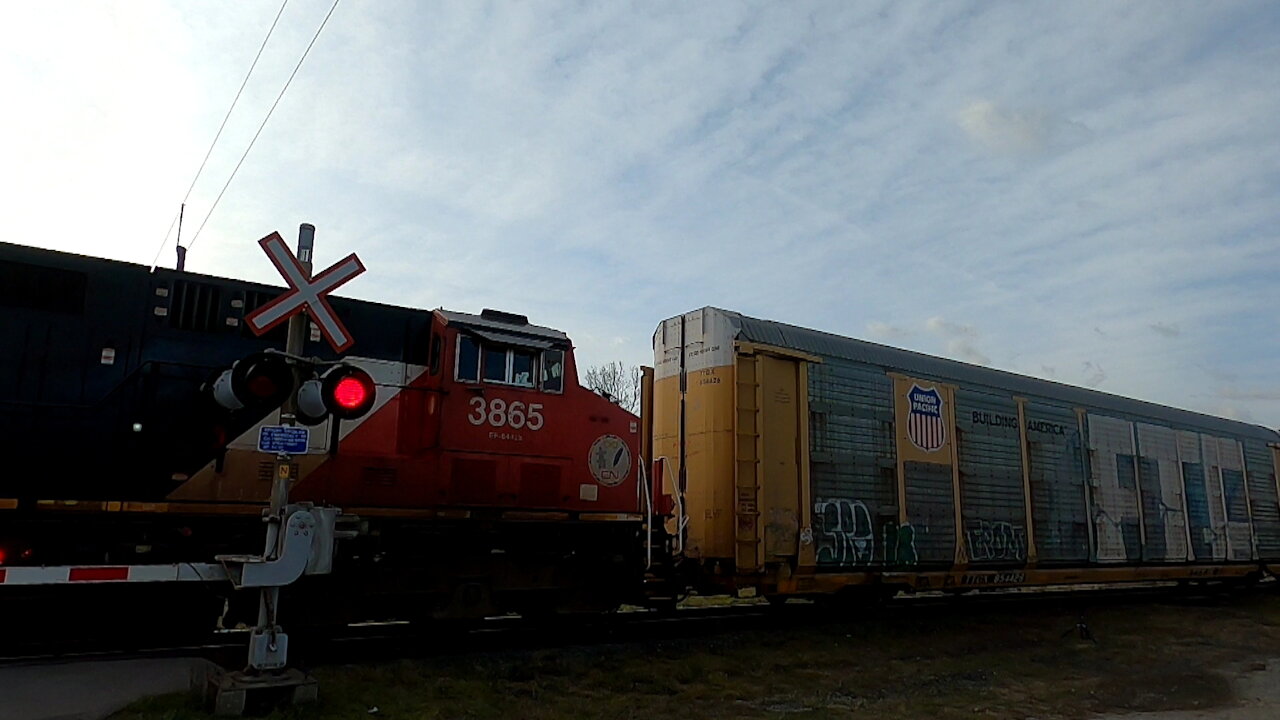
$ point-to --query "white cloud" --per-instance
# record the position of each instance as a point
(887, 333)
(1093, 374)
(1003, 130)
(960, 340)
(947, 328)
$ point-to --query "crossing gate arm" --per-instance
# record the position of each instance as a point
(104, 574)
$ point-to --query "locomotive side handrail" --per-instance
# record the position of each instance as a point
(645, 488)
(682, 520)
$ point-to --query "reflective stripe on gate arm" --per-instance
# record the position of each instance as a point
(97, 574)
(80, 575)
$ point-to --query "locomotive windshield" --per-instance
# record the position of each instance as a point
(495, 365)
(468, 358)
(553, 371)
(521, 367)
(507, 365)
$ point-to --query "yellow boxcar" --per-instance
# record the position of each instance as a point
(806, 463)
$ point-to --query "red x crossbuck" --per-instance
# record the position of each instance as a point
(305, 294)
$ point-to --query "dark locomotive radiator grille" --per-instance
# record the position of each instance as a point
(32, 287)
(195, 306)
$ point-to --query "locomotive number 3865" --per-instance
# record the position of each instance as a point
(499, 413)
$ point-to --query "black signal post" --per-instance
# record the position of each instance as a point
(295, 345)
(287, 380)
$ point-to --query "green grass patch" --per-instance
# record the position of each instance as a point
(1001, 661)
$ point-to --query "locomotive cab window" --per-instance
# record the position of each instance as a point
(433, 362)
(509, 366)
(495, 363)
(468, 359)
(522, 362)
(553, 371)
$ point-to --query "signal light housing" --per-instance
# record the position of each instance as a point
(258, 382)
(345, 391)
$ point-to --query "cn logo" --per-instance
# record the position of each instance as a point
(609, 460)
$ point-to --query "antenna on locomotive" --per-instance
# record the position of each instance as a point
(182, 252)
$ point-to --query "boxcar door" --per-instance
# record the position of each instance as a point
(770, 481)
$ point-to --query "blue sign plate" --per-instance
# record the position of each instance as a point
(276, 439)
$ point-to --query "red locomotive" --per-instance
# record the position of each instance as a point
(483, 477)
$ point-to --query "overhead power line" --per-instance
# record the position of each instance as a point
(236, 169)
(221, 127)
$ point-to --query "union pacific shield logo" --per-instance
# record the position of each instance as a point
(924, 418)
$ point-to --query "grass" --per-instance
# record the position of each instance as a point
(987, 662)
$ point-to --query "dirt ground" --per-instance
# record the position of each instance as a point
(1255, 689)
(1141, 660)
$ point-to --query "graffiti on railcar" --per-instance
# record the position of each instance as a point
(900, 545)
(997, 540)
(843, 532)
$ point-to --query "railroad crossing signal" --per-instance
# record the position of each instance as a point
(264, 380)
(305, 294)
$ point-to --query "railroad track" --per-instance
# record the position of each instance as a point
(373, 642)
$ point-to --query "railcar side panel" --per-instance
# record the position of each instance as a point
(695, 408)
(927, 472)
(854, 464)
(1206, 542)
(1163, 502)
(992, 493)
(1214, 495)
(1235, 499)
(1116, 519)
(1263, 502)
(1055, 453)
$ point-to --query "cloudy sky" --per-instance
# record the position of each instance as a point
(1082, 191)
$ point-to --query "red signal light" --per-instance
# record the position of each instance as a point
(262, 386)
(346, 392)
(350, 393)
(260, 381)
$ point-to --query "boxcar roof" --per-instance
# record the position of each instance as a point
(768, 332)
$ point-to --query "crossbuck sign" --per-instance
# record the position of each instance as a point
(305, 294)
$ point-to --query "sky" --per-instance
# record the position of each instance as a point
(1087, 192)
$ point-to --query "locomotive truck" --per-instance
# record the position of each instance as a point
(479, 477)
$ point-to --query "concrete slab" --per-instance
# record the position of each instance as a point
(90, 690)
